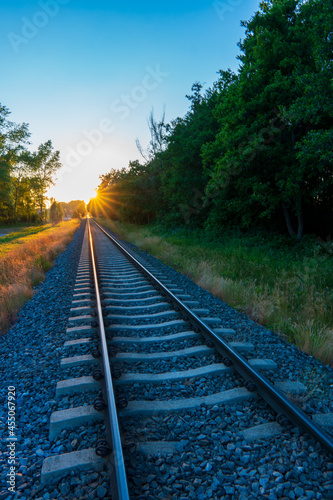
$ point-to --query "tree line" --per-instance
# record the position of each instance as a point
(255, 149)
(75, 208)
(25, 176)
(62, 210)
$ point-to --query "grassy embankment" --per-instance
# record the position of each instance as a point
(286, 287)
(25, 256)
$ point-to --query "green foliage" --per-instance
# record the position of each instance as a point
(13, 139)
(281, 95)
(46, 162)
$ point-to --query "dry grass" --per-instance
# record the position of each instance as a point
(24, 262)
(284, 289)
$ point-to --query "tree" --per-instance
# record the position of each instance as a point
(20, 181)
(13, 141)
(56, 212)
(46, 162)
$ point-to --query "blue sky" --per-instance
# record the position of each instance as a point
(86, 74)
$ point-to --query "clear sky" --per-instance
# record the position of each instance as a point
(86, 74)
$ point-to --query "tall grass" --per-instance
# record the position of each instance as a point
(15, 236)
(24, 261)
(285, 287)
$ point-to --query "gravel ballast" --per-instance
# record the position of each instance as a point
(293, 364)
(30, 356)
(224, 465)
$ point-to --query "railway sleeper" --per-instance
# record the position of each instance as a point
(77, 461)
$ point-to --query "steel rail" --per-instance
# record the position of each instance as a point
(275, 398)
(119, 487)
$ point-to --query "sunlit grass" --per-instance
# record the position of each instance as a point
(25, 257)
(284, 287)
(19, 236)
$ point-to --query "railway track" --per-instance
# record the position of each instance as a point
(159, 384)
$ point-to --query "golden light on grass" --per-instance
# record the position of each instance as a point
(24, 262)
